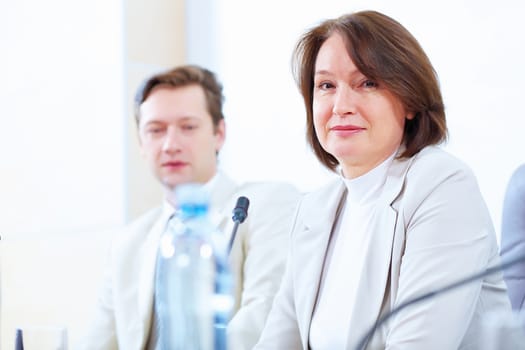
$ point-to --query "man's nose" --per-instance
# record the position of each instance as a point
(171, 142)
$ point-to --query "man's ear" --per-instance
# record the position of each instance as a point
(140, 143)
(220, 134)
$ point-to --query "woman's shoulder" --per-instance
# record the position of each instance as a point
(437, 156)
(434, 169)
(323, 198)
(434, 162)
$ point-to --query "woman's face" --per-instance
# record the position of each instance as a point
(356, 119)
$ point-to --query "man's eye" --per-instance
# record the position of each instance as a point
(189, 127)
(154, 130)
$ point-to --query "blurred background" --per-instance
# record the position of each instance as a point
(70, 169)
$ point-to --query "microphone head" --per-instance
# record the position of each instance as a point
(240, 212)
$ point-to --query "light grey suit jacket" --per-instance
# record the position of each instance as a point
(513, 236)
(124, 313)
(432, 228)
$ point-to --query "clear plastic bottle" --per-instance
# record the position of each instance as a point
(193, 291)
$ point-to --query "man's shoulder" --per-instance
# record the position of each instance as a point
(145, 219)
(139, 227)
(263, 187)
(268, 191)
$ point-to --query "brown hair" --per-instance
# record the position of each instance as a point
(383, 50)
(184, 76)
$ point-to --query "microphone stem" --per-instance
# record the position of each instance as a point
(361, 345)
(232, 237)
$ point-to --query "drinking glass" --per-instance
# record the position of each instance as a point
(41, 338)
(503, 330)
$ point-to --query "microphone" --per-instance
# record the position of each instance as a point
(240, 212)
(504, 265)
(19, 343)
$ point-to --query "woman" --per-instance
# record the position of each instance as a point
(404, 218)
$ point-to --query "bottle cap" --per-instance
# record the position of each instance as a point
(192, 199)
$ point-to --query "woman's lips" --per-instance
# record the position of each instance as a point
(344, 130)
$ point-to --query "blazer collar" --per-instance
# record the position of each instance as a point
(373, 287)
(146, 278)
(223, 189)
(320, 210)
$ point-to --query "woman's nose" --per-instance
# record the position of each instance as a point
(344, 101)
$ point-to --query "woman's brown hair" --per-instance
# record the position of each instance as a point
(384, 51)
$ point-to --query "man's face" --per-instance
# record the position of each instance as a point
(177, 136)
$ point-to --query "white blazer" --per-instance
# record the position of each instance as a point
(124, 313)
(432, 228)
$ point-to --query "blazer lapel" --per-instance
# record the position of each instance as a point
(372, 290)
(311, 245)
(222, 204)
(146, 284)
(374, 276)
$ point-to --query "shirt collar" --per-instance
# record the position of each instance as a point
(368, 186)
(168, 208)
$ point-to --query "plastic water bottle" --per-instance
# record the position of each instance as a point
(193, 291)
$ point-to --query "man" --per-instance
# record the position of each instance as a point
(181, 130)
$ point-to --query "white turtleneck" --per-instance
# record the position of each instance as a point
(344, 260)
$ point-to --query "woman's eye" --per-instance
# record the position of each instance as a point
(369, 84)
(325, 86)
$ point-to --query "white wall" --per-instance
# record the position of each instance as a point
(477, 48)
(62, 160)
(62, 116)
(63, 120)
(70, 170)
